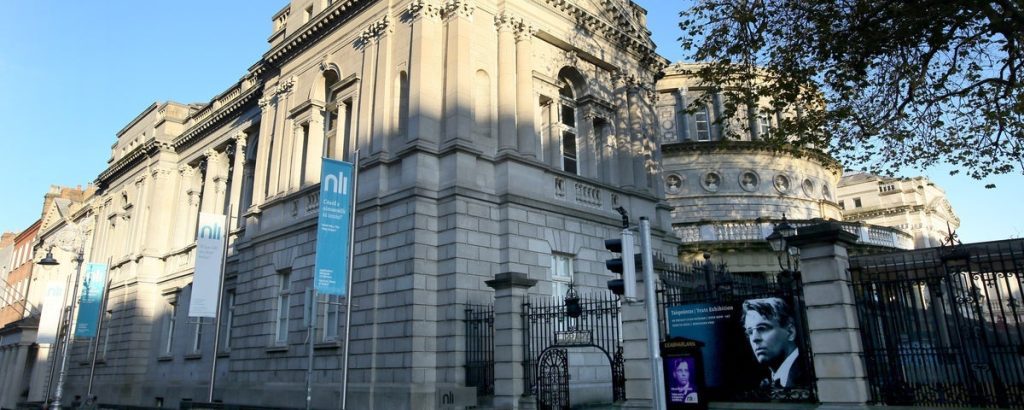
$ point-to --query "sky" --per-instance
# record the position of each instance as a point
(72, 74)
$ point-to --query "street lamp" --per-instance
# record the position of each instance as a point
(49, 260)
(778, 242)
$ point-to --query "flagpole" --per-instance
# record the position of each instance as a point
(348, 286)
(216, 316)
(99, 327)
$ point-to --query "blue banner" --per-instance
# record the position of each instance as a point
(90, 303)
(332, 232)
(713, 324)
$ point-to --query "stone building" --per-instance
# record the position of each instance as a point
(727, 187)
(913, 205)
(492, 138)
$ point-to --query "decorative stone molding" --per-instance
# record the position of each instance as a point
(373, 31)
(160, 173)
(711, 182)
(425, 9)
(285, 86)
(572, 59)
(808, 187)
(461, 8)
(525, 31)
(673, 183)
(781, 183)
(507, 22)
(749, 180)
(187, 171)
(263, 102)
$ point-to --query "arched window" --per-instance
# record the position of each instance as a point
(337, 116)
(567, 118)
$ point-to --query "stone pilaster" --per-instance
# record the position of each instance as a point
(526, 101)
(509, 291)
(459, 71)
(832, 314)
(426, 75)
(259, 186)
(237, 172)
(506, 25)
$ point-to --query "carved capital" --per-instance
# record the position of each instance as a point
(424, 9)
(376, 29)
(264, 101)
(285, 86)
(506, 22)
(187, 171)
(459, 8)
(525, 31)
(160, 173)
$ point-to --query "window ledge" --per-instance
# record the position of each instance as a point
(224, 353)
(164, 358)
(276, 349)
(327, 345)
(193, 356)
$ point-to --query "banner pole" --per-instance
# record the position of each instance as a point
(99, 327)
(217, 314)
(348, 286)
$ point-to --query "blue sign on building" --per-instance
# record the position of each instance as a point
(333, 225)
(90, 304)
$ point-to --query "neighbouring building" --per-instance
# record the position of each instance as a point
(728, 187)
(493, 137)
(913, 205)
(21, 358)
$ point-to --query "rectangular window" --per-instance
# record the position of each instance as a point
(197, 336)
(327, 317)
(283, 305)
(569, 160)
(842, 205)
(227, 320)
(169, 327)
(561, 273)
(765, 123)
(856, 203)
(701, 120)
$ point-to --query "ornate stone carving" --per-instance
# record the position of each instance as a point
(571, 59)
(506, 22)
(424, 9)
(462, 8)
(160, 173)
(749, 180)
(375, 30)
(711, 182)
(187, 171)
(673, 183)
(285, 86)
(525, 31)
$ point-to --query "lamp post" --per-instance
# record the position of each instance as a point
(777, 240)
(50, 261)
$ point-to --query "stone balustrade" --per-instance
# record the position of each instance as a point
(739, 231)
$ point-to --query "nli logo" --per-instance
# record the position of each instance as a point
(210, 232)
(336, 183)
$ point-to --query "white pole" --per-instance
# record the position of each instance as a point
(653, 335)
(68, 329)
(216, 316)
(348, 287)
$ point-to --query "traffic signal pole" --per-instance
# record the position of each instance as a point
(653, 335)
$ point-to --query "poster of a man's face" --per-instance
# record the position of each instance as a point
(682, 386)
(771, 332)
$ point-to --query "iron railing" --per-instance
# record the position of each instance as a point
(480, 348)
(943, 326)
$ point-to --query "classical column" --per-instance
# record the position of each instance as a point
(459, 72)
(383, 126)
(832, 314)
(506, 82)
(297, 150)
(509, 291)
(635, 135)
(683, 123)
(160, 201)
(259, 185)
(526, 100)
(426, 75)
(237, 171)
(186, 178)
(314, 148)
(622, 138)
(717, 127)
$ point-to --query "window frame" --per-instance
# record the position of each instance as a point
(705, 134)
(281, 313)
(560, 282)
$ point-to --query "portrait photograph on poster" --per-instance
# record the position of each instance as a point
(752, 346)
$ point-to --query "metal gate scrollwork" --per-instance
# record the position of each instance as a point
(553, 383)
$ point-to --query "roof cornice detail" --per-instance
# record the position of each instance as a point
(193, 134)
(314, 29)
(630, 40)
(751, 146)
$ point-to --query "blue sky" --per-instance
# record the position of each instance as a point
(74, 73)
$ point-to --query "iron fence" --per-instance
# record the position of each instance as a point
(480, 348)
(943, 326)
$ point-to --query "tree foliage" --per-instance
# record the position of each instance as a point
(881, 83)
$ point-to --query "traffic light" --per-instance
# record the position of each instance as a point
(625, 265)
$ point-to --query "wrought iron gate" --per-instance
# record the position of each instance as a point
(943, 326)
(553, 385)
(550, 326)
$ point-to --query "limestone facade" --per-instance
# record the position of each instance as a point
(913, 205)
(492, 137)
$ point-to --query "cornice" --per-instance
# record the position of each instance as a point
(630, 40)
(313, 30)
(193, 134)
(708, 147)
